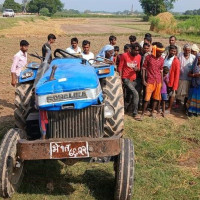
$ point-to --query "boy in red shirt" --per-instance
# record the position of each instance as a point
(173, 63)
(153, 68)
(128, 66)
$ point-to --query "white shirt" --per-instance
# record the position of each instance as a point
(73, 51)
(168, 62)
(88, 57)
(186, 65)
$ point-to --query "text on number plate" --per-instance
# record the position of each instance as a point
(69, 150)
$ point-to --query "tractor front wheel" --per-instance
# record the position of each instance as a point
(11, 167)
(124, 171)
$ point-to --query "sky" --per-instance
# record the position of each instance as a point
(120, 5)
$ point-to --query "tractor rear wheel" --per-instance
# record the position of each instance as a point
(11, 167)
(24, 103)
(113, 95)
(124, 171)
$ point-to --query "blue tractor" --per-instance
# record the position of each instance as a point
(69, 110)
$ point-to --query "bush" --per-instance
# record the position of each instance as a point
(44, 12)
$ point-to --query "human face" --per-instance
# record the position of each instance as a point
(52, 41)
(127, 50)
(116, 53)
(135, 52)
(109, 54)
(194, 52)
(159, 54)
(74, 45)
(113, 42)
(24, 48)
(172, 52)
(146, 41)
(146, 49)
(172, 41)
(132, 42)
(86, 49)
(187, 51)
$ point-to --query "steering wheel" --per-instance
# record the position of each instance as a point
(105, 60)
(63, 53)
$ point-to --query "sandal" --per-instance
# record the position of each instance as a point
(137, 118)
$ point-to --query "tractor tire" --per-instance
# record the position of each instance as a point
(113, 95)
(24, 104)
(11, 167)
(124, 171)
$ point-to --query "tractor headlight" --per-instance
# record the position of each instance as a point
(109, 111)
(27, 75)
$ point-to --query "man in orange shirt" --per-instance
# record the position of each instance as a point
(173, 63)
(128, 66)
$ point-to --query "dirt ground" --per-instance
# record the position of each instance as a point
(36, 36)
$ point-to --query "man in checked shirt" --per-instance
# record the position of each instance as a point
(19, 61)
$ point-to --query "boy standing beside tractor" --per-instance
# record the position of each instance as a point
(19, 61)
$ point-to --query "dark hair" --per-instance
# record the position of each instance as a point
(165, 70)
(158, 44)
(112, 37)
(146, 44)
(172, 37)
(149, 39)
(116, 48)
(85, 42)
(132, 38)
(173, 47)
(148, 35)
(51, 36)
(127, 46)
(74, 40)
(135, 45)
(23, 43)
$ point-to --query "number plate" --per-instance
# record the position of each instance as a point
(68, 150)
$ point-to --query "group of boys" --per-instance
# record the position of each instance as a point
(160, 74)
(145, 68)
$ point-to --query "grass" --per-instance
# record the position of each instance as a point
(160, 144)
(6, 23)
(84, 15)
(186, 27)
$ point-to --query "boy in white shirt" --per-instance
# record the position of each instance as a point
(74, 49)
(86, 54)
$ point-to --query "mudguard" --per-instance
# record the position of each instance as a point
(27, 75)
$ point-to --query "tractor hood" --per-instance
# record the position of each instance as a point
(74, 83)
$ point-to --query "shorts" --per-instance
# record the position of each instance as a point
(164, 97)
(154, 91)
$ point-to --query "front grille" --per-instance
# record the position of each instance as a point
(87, 122)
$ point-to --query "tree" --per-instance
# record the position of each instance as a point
(53, 6)
(1, 7)
(11, 4)
(154, 7)
(44, 12)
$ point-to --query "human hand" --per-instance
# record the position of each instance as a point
(136, 69)
(144, 83)
(13, 83)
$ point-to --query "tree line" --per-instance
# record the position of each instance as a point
(47, 7)
(192, 12)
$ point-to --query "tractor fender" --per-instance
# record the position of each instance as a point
(27, 75)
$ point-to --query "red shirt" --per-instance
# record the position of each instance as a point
(127, 64)
(153, 67)
(174, 74)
